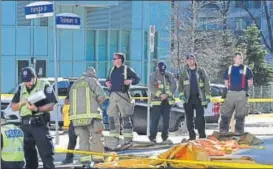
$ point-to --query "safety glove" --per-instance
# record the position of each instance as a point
(182, 98)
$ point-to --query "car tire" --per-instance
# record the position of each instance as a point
(181, 126)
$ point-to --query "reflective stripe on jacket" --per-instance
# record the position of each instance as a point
(160, 84)
(83, 103)
(203, 84)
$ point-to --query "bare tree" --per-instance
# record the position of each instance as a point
(200, 27)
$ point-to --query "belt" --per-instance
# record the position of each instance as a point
(26, 120)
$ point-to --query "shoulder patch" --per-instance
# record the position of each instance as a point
(49, 89)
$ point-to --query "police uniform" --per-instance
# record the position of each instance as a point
(12, 145)
(236, 98)
(35, 124)
(161, 82)
(85, 97)
(72, 141)
(120, 103)
(194, 92)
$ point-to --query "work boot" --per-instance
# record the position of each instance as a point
(88, 164)
(126, 145)
(153, 141)
(67, 161)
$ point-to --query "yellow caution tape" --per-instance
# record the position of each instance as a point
(251, 100)
(207, 163)
(9, 96)
(253, 147)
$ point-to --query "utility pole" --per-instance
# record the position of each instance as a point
(172, 27)
(0, 64)
(172, 30)
(178, 39)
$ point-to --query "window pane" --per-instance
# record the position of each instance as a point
(102, 45)
(90, 46)
(43, 21)
(21, 18)
(125, 44)
(113, 42)
(8, 12)
(8, 36)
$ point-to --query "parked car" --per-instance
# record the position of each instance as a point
(177, 118)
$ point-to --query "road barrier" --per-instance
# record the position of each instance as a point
(187, 162)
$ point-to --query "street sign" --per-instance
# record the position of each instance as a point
(39, 9)
(68, 21)
(152, 37)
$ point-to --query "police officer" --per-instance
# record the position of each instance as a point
(72, 139)
(85, 97)
(194, 92)
(163, 86)
(12, 145)
(35, 118)
(119, 80)
(238, 79)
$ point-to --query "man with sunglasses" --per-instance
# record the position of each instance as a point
(119, 80)
(238, 79)
(194, 92)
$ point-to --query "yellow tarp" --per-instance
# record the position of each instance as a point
(207, 153)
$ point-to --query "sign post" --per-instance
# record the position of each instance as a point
(43, 9)
(61, 21)
(151, 42)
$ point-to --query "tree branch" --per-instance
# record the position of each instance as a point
(253, 18)
(268, 26)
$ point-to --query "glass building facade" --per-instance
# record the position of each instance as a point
(106, 27)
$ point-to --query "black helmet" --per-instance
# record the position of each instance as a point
(27, 74)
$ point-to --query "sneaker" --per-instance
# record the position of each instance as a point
(167, 141)
(67, 161)
(153, 141)
(187, 140)
(88, 165)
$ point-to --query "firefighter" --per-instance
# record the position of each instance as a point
(35, 118)
(238, 79)
(12, 145)
(121, 104)
(72, 139)
(162, 85)
(85, 97)
(194, 92)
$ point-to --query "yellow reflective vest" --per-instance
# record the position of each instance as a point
(13, 142)
(40, 86)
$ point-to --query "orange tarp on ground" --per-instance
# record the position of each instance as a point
(198, 150)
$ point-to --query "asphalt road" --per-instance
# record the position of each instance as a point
(257, 125)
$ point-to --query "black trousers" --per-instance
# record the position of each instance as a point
(156, 112)
(194, 103)
(72, 140)
(38, 136)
